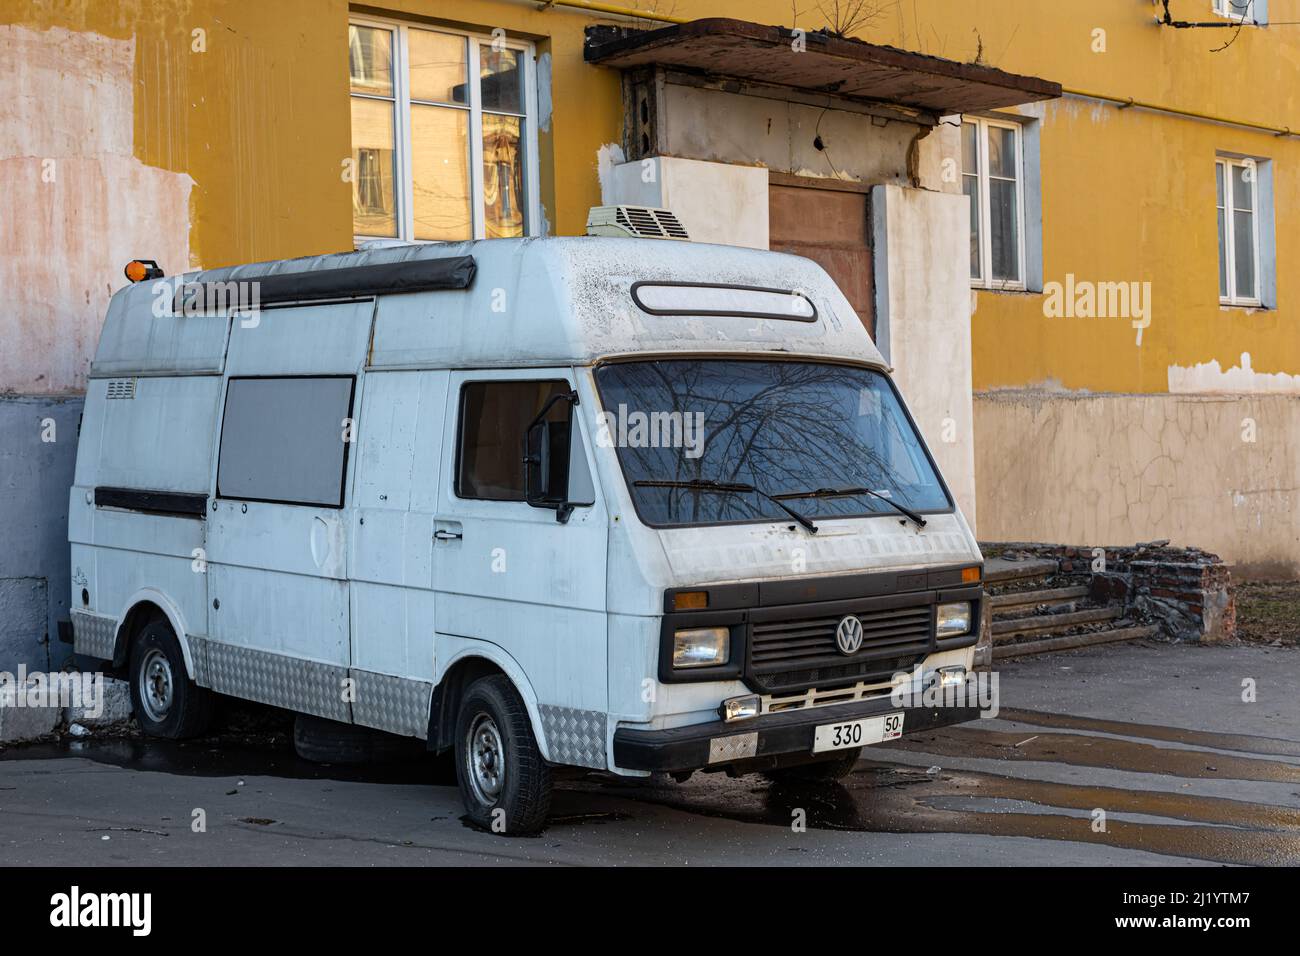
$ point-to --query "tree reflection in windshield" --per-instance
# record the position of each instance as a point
(782, 426)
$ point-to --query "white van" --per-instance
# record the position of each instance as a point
(626, 504)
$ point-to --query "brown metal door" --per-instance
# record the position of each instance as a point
(830, 227)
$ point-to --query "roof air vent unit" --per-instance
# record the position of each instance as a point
(641, 222)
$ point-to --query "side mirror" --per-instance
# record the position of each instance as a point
(547, 450)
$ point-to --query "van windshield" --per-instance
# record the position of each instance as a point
(803, 432)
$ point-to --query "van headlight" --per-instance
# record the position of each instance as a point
(701, 646)
(952, 619)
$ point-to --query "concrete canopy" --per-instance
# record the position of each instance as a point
(829, 64)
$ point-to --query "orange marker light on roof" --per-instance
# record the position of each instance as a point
(137, 270)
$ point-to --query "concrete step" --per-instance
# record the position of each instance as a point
(1003, 631)
(1020, 600)
(1001, 571)
(1128, 632)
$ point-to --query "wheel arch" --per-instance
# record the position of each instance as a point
(142, 607)
(466, 666)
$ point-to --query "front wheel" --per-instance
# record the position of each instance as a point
(166, 702)
(504, 782)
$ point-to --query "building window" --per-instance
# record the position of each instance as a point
(1238, 193)
(993, 179)
(1252, 11)
(443, 137)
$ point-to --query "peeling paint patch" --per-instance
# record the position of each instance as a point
(1209, 377)
(607, 157)
(544, 92)
(80, 204)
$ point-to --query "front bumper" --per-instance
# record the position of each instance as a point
(718, 744)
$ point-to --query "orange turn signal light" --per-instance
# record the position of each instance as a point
(137, 270)
(690, 600)
(970, 575)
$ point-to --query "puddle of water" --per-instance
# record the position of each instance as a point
(208, 758)
(1242, 743)
(1081, 750)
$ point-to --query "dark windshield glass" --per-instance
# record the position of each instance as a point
(784, 427)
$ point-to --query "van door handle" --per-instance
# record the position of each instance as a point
(442, 535)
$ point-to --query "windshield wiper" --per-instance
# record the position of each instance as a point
(856, 493)
(726, 488)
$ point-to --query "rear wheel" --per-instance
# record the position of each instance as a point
(504, 782)
(836, 768)
(166, 702)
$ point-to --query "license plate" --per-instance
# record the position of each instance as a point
(858, 733)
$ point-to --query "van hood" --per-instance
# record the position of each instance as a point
(751, 552)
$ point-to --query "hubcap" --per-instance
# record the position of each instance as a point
(485, 758)
(156, 687)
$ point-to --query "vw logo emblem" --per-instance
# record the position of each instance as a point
(848, 636)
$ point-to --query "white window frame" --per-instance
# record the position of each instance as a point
(985, 280)
(1236, 10)
(404, 207)
(1227, 164)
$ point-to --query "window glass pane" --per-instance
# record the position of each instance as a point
(440, 172)
(439, 67)
(1223, 256)
(503, 176)
(971, 187)
(1243, 254)
(970, 154)
(370, 60)
(1243, 187)
(502, 79)
(282, 440)
(1003, 224)
(1218, 183)
(1002, 152)
(784, 427)
(493, 419)
(373, 208)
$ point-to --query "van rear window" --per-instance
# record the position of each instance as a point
(285, 440)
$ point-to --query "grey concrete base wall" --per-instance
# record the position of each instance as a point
(38, 453)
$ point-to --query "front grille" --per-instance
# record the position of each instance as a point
(800, 651)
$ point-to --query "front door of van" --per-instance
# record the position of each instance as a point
(511, 575)
(278, 616)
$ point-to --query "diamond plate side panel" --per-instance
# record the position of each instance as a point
(575, 737)
(399, 705)
(309, 687)
(94, 635)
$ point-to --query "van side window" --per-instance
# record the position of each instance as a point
(284, 440)
(490, 449)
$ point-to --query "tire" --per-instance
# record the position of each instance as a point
(328, 741)
(166, 702)
(504, 782)
(823, 771)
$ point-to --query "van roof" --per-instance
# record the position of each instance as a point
(552, 301)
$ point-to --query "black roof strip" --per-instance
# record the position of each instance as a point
(385, 278)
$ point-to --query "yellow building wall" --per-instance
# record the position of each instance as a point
(258, 124)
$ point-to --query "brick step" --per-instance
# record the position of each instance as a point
(1020, 600)
(998, 571)
(1128, 632)
(1003, 631)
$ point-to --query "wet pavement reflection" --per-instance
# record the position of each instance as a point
(885, 793)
